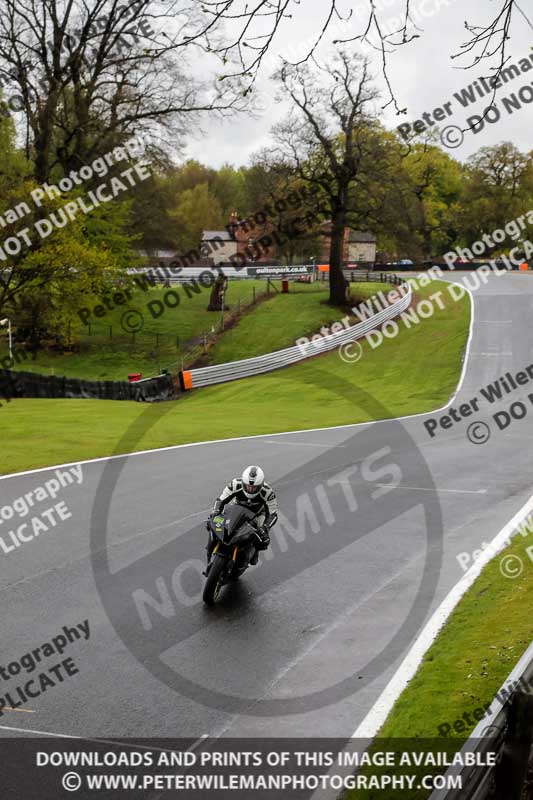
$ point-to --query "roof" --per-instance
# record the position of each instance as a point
(361, 236)
(157, 253)
(224, 235)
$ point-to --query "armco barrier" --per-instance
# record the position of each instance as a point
(233, 370)
(508, 732)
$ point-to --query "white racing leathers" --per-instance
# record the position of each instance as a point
(264, 504)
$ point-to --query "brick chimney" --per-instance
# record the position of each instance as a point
(233, 224)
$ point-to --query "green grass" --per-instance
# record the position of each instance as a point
(101, 357)
(474, 653)
(484, 638)
(279, 321)
(106, 352)
(416, 371)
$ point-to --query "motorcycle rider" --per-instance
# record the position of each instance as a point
(254, 493)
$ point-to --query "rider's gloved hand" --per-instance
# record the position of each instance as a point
(264, 538)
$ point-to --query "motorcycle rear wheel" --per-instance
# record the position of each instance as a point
(214, 582)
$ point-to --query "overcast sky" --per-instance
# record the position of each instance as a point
(422, 73)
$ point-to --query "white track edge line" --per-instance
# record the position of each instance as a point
(99, 740)
(280, 433)
(372, 717)
(39, 733)
(379, 712)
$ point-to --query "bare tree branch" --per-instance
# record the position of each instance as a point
(326, 140)
(90, 75)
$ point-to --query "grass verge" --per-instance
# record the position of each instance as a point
(108, 351)
(484, 638)
(414, 372)
(279, 321)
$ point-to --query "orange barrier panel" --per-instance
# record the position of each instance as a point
(524, 266)
(186, 380)
(323, 267)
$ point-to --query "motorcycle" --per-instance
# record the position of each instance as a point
(232, 537)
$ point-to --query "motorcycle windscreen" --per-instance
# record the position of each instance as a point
(234, 517)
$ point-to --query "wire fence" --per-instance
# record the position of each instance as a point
(156, 328)
(173, 349)
(173, 336)
(199, 346)
(97, 334)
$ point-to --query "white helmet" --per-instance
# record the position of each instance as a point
(253, 479)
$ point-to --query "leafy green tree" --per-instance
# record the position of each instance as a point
(435, 183)
(150, 219)
(56, 268)
(498, 188)
(229, 188)
(14, 166)
(156, 198)
(190, 174)
(49, 280)
(269, 185)
(43, 284)
(197, 209)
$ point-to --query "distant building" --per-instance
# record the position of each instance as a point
(221, 244)
(359, 246)
(156, 253)
(244, 237)
(254, 241)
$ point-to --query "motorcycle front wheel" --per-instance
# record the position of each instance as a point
(214, 582)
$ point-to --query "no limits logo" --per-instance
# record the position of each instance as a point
(332, 506)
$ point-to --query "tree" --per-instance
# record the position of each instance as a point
(435, 181)
(228, 186)
(152, 200)
(327, 140)
(43, 286)
(155, 198)
(498, 187)
(88, 76)
(197, 209)
(268, 185)
(254, 28)
(190, 174)
(14, 167)
(48, 278)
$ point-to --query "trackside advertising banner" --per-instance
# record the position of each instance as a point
(279, 272)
